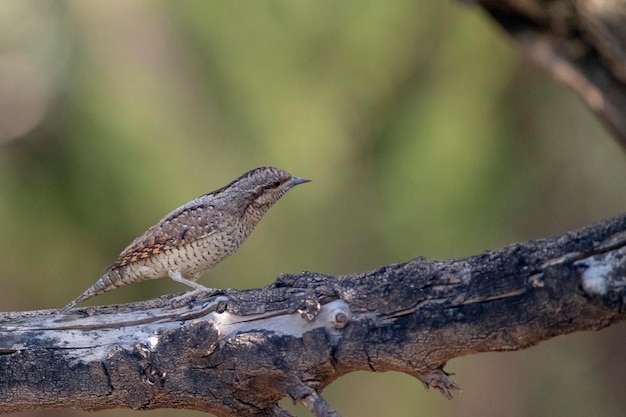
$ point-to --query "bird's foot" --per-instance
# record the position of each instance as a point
(189, 296)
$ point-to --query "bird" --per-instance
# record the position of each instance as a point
(198, 235)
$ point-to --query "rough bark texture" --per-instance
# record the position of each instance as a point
(238, 353)
(582, 43)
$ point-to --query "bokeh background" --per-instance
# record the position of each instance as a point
(423, 129)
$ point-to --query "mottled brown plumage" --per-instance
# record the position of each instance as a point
(198, 235)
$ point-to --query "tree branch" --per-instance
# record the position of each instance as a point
(581, 43)
(238, 353)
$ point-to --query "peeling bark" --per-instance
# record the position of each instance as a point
(238, 353)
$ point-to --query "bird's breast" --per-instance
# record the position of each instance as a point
(193, 257)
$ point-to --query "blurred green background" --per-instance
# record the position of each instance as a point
(424, 131)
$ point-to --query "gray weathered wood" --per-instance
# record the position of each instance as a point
(239, 353)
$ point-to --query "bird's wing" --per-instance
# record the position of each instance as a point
(184, 225)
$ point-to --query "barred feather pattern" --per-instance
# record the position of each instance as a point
(197, 236)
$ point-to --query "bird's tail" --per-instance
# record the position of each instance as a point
(106, 283)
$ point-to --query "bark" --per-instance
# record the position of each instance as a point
(237, 353)
(582, 43)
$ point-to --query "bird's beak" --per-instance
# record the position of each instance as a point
(296, 180)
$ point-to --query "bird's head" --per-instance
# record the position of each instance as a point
(262, 187)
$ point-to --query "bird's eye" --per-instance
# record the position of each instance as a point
(271, 185)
